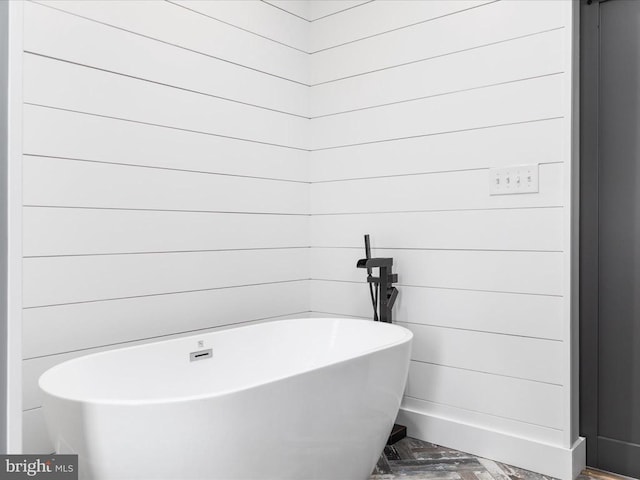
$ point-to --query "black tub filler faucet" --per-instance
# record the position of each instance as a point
(383, 293)
(381, 287)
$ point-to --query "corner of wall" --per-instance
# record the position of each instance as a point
(14, 228)
(4, 333)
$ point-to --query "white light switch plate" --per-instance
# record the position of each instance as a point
(513, 180)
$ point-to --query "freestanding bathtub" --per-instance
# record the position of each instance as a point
(303, 399)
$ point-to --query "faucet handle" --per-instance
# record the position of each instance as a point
(391, 298)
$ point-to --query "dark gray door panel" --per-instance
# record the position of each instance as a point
(610, 250)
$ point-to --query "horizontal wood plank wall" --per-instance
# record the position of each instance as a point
(165, 176)
(315, 9)
(181, 157)
(409, 111)
(353, 24)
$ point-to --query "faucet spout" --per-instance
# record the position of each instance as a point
(374, 263)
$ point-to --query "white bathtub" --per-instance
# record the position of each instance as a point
(294, 399)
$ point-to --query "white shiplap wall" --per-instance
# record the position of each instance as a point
(165, 176)
(169, 148)
(411, 104)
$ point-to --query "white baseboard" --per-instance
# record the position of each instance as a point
(551, 460)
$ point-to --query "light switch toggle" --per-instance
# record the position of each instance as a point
(513, 180)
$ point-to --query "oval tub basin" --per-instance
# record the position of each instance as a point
(299, 399)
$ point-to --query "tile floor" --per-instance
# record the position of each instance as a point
(414, 459)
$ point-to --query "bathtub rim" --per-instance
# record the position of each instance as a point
(407, 337)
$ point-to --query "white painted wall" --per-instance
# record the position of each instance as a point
(165, 176)
(411, 104)
(180, 157)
